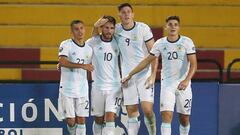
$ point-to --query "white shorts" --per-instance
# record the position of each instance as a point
(71, 107)
(171, 95)
(136, 91)
(103, 101)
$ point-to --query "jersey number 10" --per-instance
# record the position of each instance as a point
(107, 56)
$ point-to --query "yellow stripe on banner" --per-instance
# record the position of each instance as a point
(212, 37)
(35, 36)
(152, 15)
(229, 56)
(111, 2)
(48, 54)
(10, 74)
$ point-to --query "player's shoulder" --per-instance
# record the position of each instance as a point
(118, 26)
(186, 39)
(66, 43)
(141, 25)
(161, 40)
(93, 40)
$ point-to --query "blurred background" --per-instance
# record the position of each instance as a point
(31, 31)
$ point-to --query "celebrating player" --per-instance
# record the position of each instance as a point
(106, 94)
(178, 67)
(74, 59)
(135, 40)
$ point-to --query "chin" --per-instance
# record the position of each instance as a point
(109, 37)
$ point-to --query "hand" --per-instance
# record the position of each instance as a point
(150, 81)
(100, 22)
(58, 67)
(183, 85)
(125, 81)
(88, 67)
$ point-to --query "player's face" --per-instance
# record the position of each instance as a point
(108, 30)
(126, 15)
(172, 27)
(78, 31)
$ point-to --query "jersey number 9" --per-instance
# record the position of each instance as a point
(127, 40)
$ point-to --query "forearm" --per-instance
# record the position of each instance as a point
(68, 64)
(192, 70)
(95, 31)
(154, 66)
(140, 67)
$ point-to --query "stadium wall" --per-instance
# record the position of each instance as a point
(27, 109)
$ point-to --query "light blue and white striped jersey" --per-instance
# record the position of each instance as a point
(74, 81)
(132, 47)
(175, 64)
(106, 74)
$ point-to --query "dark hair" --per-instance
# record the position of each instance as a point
(124, 5)
(76, 22)
(110, 19)
(173, 18)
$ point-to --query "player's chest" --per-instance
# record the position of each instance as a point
(173, 51)
(105, 52)
(130, 39)
(80, 55)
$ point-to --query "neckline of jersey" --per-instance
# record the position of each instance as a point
(130, 28)
(105, 40)
(175, 40)
(78, 44)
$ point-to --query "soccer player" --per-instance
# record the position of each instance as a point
(106, 94)
(135, 40)
(74, 59)
(178, 67)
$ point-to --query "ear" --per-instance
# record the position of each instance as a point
(165, 27)
(133, 14)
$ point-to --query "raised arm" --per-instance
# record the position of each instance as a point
(100, 22)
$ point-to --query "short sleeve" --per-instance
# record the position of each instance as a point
(63, 50)
(147, 33)
(190, 47)
(155, 51)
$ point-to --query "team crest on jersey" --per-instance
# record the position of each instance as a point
(115, 50)
(179, 48)
(165, 48)
(74, 53)
(135, 38)
(60, 49)
(193, 48)
(100, 48)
